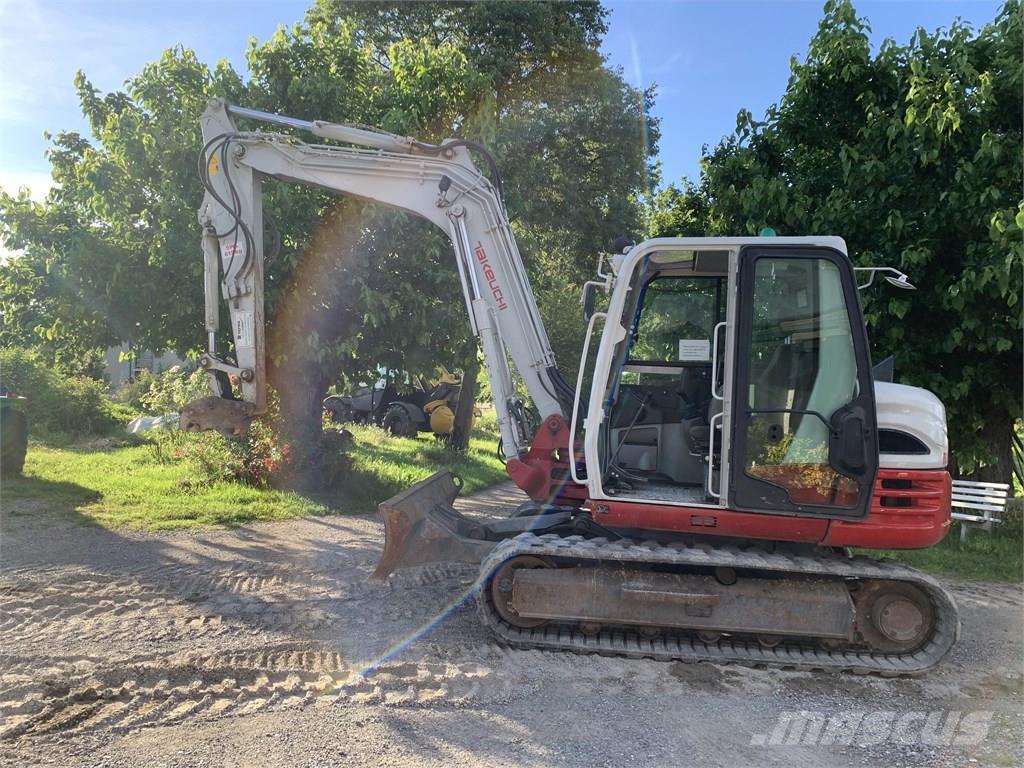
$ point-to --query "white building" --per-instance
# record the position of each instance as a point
(121, 365)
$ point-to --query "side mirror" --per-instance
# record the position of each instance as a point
(589, 300)
(900, 280)
(847, 450)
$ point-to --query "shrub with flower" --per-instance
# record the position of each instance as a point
(261, 458)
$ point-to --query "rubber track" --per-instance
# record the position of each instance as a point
(683, 647)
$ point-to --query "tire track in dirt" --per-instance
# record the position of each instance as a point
(107, 622)
(156, 691)
(428, 684)
(81, 610)
(183, 582)
(85, 611)
(1010, 595)
(40, 591)
(91, 607)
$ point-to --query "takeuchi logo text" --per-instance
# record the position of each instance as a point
(492, 279)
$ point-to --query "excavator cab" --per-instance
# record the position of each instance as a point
(659, 401)
(744, 360)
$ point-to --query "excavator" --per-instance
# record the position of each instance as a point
(700, 498)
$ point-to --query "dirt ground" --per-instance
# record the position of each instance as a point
(267, 646)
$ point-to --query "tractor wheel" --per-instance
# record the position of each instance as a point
(13, 441)
(397, 422)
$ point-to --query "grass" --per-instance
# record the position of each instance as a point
(116, 485)
(383, 465)
(996, 556)
(124, 487)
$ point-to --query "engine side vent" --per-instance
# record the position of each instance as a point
(895, 441)
(910, 492)
(896, 501)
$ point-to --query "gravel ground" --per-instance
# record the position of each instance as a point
(266, 645)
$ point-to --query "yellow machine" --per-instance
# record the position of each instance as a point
(441, 410)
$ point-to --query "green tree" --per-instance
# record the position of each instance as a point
(110, 255)
(913, 155)
(353, 286)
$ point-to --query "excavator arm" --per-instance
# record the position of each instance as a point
(438, 182)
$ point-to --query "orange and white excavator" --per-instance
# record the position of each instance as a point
(700, 500)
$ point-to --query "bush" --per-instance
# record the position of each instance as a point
(120, 413)
(57, 406)
(1012, 517)
(485, 426)
(260, 459)
(255, 460)
(162, 393)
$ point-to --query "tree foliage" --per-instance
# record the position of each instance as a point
(354, 286)
(913, 155)
(110, 255)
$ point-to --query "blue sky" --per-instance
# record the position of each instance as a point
(708, 59)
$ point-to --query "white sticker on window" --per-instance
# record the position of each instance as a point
(694, 350)
(243, 329)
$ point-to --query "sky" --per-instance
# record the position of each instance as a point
(708, 59)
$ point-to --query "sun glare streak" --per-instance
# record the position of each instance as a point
(639, 84)
(402, 645)
(395, 650)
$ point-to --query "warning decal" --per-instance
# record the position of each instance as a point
(230, 251)
(243, 329)
(694, 350)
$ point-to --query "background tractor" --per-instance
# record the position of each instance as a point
(403, 410)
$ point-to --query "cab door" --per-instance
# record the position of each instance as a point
(803, 434)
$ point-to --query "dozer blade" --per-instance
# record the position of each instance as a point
(421, 526)
(229, 417)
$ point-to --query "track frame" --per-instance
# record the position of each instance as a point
(684, 646)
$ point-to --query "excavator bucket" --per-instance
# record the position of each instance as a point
(421, 526)
(229, 417)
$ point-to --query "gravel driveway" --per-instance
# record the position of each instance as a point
(266, 645)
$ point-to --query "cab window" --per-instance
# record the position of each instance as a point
(677, 319)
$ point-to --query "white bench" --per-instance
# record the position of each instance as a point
(983, 500)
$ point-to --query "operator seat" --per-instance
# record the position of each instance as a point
(698, 407)
(699, 435)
